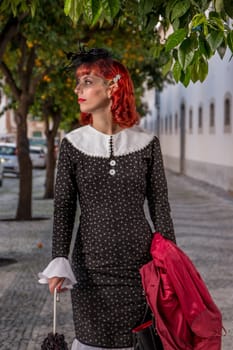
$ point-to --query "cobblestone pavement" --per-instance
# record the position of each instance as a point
(203, 218)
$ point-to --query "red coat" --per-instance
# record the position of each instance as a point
(186, 316)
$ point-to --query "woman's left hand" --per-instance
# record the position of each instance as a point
(56, 282)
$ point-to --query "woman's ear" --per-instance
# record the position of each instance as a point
(112, 88)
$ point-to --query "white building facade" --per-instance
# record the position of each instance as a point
(7, 124)
(194, 125)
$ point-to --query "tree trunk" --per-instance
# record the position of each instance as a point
(50, 167)
(24, 209)
(52, 118)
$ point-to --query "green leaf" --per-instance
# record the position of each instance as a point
(145, 6)
(33, 8)
(88, 13)
(228, 7)
(164, 57)
(198, 20)
(215, 39)
(185, 77)
(74, 9)
(111, 7)
(230, 40)
(92, 11)
(222, 49)
(203, 69)
(204, 4)
(204, 47)
(96, 15)
(167, 67)
(215, 21)
(179, 9)
(176, 24)
(175, 39)
(169, 6)
(205, 29)
(194, 72)
(152, 21)
(176, 71)
(218, 4)
(186, 53)
(157, 3)
(156, 50)
(67, 7)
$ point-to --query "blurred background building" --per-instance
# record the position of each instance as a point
(194, 125)
(7, 123)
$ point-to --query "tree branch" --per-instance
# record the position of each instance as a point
(30, 62)
(10, 80)
(9, 31)
(26, 64)
(56, 121)
(34, 82)
(22, 47)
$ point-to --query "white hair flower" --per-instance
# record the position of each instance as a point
(116, 78)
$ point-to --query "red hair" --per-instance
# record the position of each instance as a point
(123, 106)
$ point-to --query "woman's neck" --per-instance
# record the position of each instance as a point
(105, 124)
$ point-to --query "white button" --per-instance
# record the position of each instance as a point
(112, 162)
(112, 172)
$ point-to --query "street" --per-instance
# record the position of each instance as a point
(203, 219)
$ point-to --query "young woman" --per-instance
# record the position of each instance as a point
(111, 166)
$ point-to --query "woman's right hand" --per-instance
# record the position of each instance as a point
(56, 282)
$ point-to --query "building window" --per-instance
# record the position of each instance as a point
(212, 117)
(227, 115)
(190, 120)
(37, 134)
(176, 122)
(166, 125)
(161, 125)
(200, 119)
(170, 124)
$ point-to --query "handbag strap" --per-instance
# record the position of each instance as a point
(146, 313)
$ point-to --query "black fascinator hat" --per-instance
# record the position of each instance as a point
(84, 55)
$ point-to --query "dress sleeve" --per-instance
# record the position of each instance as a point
(58, 267)
(157, 194)
(65, 202)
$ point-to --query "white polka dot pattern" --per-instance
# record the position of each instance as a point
(113, 238)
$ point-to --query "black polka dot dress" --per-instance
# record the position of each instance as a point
(110, 176)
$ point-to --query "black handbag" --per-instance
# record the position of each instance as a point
(145, 336)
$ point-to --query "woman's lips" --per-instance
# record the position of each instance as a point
(80, 100)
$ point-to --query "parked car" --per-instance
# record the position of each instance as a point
(42, 142)
(38, 157)
(38, 142)
(1, 171)
(8, 154)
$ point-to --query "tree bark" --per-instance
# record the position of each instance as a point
(50, 167)
(9, 31)
(52, 118)
(24, 209)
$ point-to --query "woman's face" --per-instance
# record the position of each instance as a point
(93, 93)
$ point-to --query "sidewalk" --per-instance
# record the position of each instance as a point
(26, 306)
(203, 219)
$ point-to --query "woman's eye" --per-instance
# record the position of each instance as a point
(88, 82)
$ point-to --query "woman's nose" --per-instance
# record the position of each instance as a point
(76, 89)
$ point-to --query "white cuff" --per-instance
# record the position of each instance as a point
(58, 267)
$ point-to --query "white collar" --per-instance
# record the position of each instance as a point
(92, 142)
